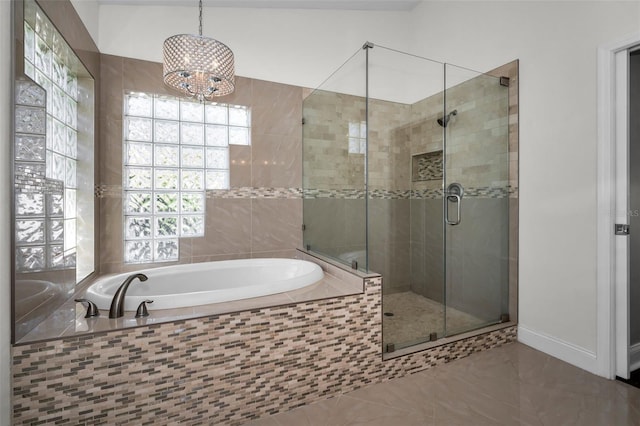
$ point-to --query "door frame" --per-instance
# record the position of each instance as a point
(612, 330)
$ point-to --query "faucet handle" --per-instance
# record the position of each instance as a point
(142, 309)
(92, 309)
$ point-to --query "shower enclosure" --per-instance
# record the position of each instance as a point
(407, 173)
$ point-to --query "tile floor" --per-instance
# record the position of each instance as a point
(510, 385)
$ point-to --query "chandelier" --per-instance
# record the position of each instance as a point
(198, 66)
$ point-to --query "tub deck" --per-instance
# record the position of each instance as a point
(69, 319)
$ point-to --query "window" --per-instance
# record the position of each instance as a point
(358, 138)
(174, 150)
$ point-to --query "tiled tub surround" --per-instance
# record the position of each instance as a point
(69, 319)
(222, 369)
(259, 216)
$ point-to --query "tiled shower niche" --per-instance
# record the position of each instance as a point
(427, 166)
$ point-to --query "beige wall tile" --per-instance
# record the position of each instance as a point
(276, 224)
(276, 161)
(111, 231)
(276, 108)
(240, 166)
(111, 152)
(227, 230)
(242, 95)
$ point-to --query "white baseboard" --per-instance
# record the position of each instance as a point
(560, 349)
(634, 357)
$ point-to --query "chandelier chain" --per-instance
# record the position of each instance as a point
(200, 28)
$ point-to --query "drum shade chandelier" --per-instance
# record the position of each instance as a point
(198, 66)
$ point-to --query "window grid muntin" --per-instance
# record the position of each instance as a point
(162, 112)
(357, 137)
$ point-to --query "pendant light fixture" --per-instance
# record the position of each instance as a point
(198, 66)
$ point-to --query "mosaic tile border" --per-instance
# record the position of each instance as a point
(115, 191)
(223, 369)
(348, 194)
(252, 192)
(393, 194)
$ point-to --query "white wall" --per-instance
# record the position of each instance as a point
(5, 256)
(300, 47)
(88, 10)
(556, 43)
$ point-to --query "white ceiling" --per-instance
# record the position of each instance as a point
(280, 4)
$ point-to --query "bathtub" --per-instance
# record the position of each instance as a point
(210, 282)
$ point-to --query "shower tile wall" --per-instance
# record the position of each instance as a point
(334, 182)
(389, 184)
(409, 252)
(259, 216)
(476, 155)
(334, 179)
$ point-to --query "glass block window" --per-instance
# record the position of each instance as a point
(357, 137)
(174, 150)
(49, 61)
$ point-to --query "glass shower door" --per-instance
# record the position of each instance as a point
(404, 207)
(475, 199)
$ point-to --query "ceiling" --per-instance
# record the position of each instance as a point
(280, 4)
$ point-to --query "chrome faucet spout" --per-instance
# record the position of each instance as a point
(117, 303)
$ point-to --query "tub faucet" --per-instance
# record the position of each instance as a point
(117, 304)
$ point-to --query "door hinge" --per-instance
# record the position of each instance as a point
(621, 229)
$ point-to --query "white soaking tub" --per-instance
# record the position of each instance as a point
(210, 282)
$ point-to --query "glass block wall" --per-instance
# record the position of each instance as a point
(36, 249)
(174, 150)
(50, 62)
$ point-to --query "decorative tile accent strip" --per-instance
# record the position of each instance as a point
(427, 194)
(251, 192)
(108, 191)
(392, 194)
(348, 194)
(29, 177)
(225, 369)
(115, 191)
(389, 194)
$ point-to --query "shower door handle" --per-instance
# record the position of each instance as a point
(458, 200)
